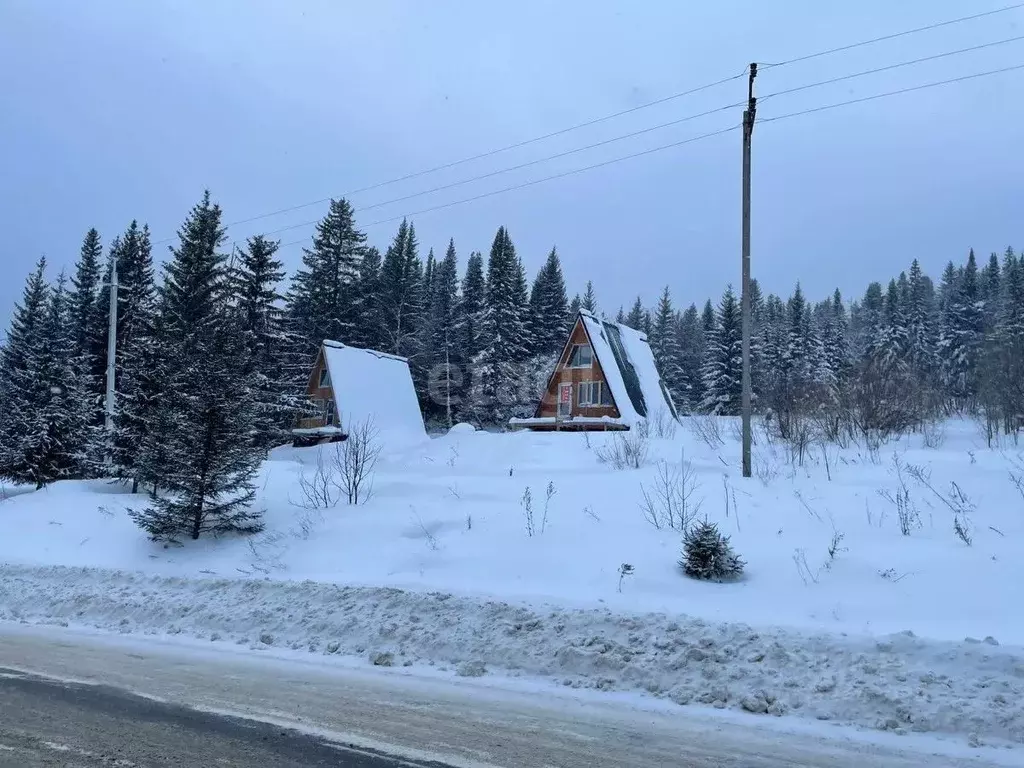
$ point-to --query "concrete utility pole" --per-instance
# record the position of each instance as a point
(748, 131)
(111, 350)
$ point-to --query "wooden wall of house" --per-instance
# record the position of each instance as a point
(548, 407)
(316, 394)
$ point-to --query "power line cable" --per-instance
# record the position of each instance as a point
(642, 131)
(534, 182)
(527, 164)
(690, 140)
(605, 118)
(893, 36)
(899, 92)
(889, 67)
(492, 152)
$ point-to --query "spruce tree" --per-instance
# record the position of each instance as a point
(574, 310)
(690, 338)
(548, 305)
(722, 370)
(203, 436)
(708, 318)
(921, 332)
(505, 343)
(323, 301)
(400, 298)
(445, 351)
(19, 385)
(269, 350)
(367, 333)
(664, 344)
(469, 315)
(88, 317)
(589, 301)
(961, 335)
(85, 297)
(635, 318)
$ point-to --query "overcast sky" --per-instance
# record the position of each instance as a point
(119, 109)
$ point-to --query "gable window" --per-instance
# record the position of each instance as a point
(581, 356)
(325, 377)
(590, 393)
(329, 412)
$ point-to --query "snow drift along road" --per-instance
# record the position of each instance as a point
(898, 683)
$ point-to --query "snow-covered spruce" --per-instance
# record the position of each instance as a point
(707, 554)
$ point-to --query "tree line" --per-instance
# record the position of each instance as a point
(214, 348)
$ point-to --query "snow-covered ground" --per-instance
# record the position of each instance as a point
(917, 632)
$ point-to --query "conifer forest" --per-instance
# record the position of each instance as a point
(214, 346)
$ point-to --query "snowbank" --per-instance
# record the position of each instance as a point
(537, 521)
(899, 683)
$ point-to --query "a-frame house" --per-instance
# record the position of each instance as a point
(349, 386)
(605, 379)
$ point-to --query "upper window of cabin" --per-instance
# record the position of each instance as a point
(325, 377)
(582, 356)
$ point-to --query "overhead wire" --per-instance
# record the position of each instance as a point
(520, 166)
(897, 92)
(645, 105)
(650, 129)
(890, 67)
(891, 36)
(661, 148)
(492, 152)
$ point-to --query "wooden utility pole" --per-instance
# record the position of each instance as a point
(748, 131)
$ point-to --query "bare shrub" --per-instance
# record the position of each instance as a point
(428, 535)
(957, 501)
(834, 547)
(319, 487)
(663, 424)
(766, 466)
(308, 520)
(1017, 474)
(624, 570)
(355, 461)
(669, 502)
(549, 493)
(901, 498)
(707, 428)
(933, 434)
(961, 529)
(526, 502)
(626, 450)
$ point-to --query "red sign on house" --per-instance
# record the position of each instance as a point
(566, 394)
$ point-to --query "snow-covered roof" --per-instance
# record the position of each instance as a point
(628, 364)
(373, 385)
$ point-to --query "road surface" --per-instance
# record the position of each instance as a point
(69, 698)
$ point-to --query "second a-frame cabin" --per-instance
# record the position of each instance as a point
(605, 379)
(349, 386)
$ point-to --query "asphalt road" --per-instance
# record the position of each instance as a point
(44, 722)
(75, 699)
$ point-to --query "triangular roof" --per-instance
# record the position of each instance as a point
(368, 384)
(628, 364)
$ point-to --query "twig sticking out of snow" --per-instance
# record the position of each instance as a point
(624, 570)
(670, 503)
(428, 535)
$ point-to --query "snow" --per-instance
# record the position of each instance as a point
(374, 385)
(915, 632)
(639, 354)
(612, 375)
